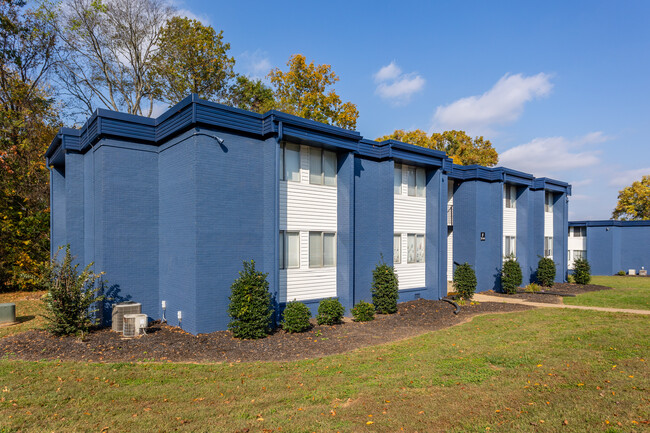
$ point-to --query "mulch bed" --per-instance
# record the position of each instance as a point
(170, 344)
(552, 295)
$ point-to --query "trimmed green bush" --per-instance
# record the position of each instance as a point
(581, 271)
(295, 317)
(70, 296)
(621, 273)
(546, 272)
(385, 288)
(465, 281)
(511, 277)
(363, 312)
(330, 312)
(250, 305)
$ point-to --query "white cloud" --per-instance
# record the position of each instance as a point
(625, 177)
(394, 85)
(388, 72)
(550, 155)
(503, 103)
(255, 64)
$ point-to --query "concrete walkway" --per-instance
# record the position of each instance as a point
(487, 298)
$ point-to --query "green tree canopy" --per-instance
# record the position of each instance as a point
(303, 91)
(252, 95)
(457, 144)
(192, 58)
(634, 201)
(28, 123)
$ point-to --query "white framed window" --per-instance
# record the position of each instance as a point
(510, 246)
(510, 192)
(290, 162)
(415, 248)
(289, 249)
(579, 254)
(578, 232)
(397, 248)
(322, 249)
(416, 182)
(322, 167)
(548, 246)
(548, 201)
(397, 179)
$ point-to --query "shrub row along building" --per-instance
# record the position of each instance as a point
(170, 207)
(610, 246)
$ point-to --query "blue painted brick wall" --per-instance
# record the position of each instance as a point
(373, 215)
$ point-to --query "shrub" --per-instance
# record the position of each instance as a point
(363, 312)
(250, 305)
(569, 279)
(546, 272)
(532, 288)
(465, 281)
(385, 288)
(621, 273)
(296, 317)
(70, 296)
(330, 312)
(581, 271)
(510, 276)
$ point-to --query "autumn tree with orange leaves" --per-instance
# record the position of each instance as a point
(303, 91)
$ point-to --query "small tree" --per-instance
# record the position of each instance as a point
(511, 277)
(70, 296)
(296, 317)
(250, 304)
(581, 271)
(465, 281)
(385, 288)
(363, 312)
(330, 312)
(546, 271)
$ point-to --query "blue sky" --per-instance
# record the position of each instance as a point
(560, 88)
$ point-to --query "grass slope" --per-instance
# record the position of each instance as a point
(629, 292)
(28, 312)
(540, 370)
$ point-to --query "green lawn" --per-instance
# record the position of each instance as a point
(629, 292)
(28, 312)
(531, 371)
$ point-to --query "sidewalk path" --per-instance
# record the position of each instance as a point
(487, 298)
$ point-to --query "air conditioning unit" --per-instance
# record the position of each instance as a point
(135, 324)
(119, 310)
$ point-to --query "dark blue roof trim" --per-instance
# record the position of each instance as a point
(551, 185)
(503, 174)
(610, 223)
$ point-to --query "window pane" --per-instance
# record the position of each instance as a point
(329, 167)
(506, 189)
(397, 249)
(293, 250)
(315, 249)
(419, 249)
(315, 166)
(420, 181)
(281, 249)
(292, 162)
(410, 249)
(329, 249)
(397, 181)
(411, 181)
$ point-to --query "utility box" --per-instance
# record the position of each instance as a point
(7, 313)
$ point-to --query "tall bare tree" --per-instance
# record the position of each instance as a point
(105, 52)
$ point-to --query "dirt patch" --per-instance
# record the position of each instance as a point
(551, 295)
(170, 344)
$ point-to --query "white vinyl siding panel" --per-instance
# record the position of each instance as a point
(509, 215)
(575, 244)
(409, 218)
(450, 255)
(305, 207)
(548, 223)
